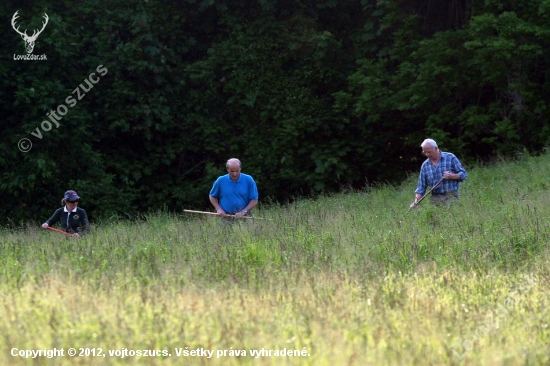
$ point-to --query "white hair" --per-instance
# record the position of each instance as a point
(429, 142)
(232, 161)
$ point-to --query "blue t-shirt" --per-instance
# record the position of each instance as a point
(234, 196)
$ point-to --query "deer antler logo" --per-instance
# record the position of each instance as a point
(29, 41)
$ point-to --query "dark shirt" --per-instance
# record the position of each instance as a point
(71, 222)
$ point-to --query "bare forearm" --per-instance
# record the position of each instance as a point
(214, 202)
(251, 205)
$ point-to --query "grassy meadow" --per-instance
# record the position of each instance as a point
(351, 279)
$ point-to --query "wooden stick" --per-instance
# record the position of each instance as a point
(424, 196)
(59, 231)
(214, 213)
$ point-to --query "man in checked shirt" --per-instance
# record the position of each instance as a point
(439, 165)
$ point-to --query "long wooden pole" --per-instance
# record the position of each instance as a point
(424, 196)
(214, 213)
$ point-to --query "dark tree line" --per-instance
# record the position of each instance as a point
(310, 95)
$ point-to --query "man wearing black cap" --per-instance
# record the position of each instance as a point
(73, 219)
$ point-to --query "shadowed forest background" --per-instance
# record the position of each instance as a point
(310, 95)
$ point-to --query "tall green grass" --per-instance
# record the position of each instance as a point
(354, 278)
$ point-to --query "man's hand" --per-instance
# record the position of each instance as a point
(45, 226)
(221, 212)
(239, 214)
(417, 198)
(449, 175)
(75, 235)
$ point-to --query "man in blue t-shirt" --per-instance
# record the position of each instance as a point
(234, 193)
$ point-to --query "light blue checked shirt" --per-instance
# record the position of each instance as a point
(430, 174)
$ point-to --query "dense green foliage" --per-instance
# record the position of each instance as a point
(310, 95)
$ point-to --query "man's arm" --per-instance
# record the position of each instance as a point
(213, 197)
(422, 183)
(251, 205)
(214, 201)
(460, 174)
(252, 197)
(459, 169)
(248, 207)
